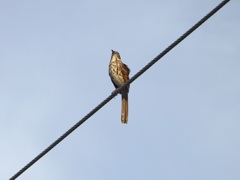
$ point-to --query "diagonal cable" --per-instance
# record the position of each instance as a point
(175, 43)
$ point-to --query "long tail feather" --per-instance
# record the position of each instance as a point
(124, 117)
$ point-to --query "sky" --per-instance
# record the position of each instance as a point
(184, 112)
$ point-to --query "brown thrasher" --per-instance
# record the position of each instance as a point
(118, 73)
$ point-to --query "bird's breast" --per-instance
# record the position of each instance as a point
(115, 73)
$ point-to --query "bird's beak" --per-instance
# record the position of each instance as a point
(112, 51)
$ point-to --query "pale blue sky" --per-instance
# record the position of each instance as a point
(184, 113)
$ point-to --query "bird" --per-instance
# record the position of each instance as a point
(119, 74)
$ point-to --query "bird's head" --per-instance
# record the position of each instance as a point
(116, 54)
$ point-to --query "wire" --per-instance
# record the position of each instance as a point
(175, 43)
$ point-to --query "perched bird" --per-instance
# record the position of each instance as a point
(119, 74)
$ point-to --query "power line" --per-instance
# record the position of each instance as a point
(79, 123)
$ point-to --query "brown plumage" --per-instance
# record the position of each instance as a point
(119, 74)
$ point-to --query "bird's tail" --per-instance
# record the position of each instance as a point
(124, 117)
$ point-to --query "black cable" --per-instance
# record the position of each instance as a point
(199, 23)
